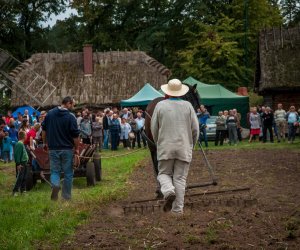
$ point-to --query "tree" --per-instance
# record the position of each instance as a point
(66, 35)
(213, 54)
(290, 11)
(21, 23)
(31, 14)
(216, 40)
(223, 49)
(97, 20)
(9, 30)
(254, 15)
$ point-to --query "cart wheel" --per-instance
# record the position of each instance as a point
(97, 165)
(29, 179)
(90, 174)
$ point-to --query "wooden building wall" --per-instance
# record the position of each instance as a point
(287, 98)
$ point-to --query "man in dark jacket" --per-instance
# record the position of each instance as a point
(268, 119)
(106, 122)
(61, 136)
(220, 129)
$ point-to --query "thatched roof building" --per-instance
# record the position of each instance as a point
(278, 66)
(92, 78)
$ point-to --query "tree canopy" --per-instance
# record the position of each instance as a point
(214, 41)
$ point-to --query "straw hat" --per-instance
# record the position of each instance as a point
(174, 88)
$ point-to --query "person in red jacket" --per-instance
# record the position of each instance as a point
(31, 135)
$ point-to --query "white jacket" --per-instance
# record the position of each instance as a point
(175, 129)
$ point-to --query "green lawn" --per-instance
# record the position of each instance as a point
(31, 219)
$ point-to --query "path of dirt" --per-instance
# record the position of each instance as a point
(266, 217)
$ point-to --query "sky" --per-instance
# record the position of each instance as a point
(53, 18)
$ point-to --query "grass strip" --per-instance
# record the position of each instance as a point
(33, 220)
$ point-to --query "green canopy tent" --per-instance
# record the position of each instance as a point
(217, 98)
(143, 97)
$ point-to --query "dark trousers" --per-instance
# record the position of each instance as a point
(261, 135)
(86, 141)
(226, 134)
(21, 179)
(138, 138)
(203, 136)
(114, 140)
(98, 142)
(5, 156)
(220, 135)
(118, 141)
(126, 143)
(292, 131)
(239, 134)
(132, 141)
(267, 127)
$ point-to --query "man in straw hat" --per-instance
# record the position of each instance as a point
(175, 131)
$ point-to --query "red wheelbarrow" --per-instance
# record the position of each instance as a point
(87, 164)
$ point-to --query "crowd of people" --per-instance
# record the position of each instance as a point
(105, 129)
(108, 128)
(17, 138)
(11, 127)
(264, 124)
(228, 126)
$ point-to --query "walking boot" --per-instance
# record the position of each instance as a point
(169, 202)
(54, 194)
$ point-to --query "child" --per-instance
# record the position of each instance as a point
(21, 159)
(13, 134)
(6, 146)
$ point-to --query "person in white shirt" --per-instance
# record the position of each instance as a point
(279, 116)
(175, 139)
(140, 123)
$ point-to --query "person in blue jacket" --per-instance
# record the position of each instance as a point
(61, 136)
(203, 115)
(6, 147)
(115, 130)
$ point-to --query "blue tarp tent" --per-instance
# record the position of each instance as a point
(22, 109)
(143, 97)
